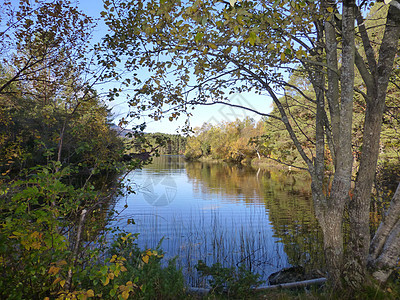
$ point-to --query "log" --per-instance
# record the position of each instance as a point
(289, 285)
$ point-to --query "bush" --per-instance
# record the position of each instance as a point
(236, 283)
(45, 250)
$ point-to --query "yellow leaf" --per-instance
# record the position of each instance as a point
(62, 283)
(129, 283)
(125, 295)
(282, 56)
(329, 9)
(107, 281)
(35, 245)
(62, 263)
(90, 293)
(212, 46)
(54, 270)
(79, 297)
(111, 275)
(145, 259)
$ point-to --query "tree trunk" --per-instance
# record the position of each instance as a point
(385, 245)
(330, 220)
(330, 207)
(332, 94)
(359, 206)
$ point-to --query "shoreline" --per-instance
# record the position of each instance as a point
(255, 163)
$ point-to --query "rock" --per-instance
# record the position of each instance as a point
(292, 274)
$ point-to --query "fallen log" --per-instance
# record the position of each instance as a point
(289, 285)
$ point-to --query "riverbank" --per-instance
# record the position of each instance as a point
(263, 163)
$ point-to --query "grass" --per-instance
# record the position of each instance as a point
(211, 237)
(208, 237)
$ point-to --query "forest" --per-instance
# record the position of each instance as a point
(331, 69)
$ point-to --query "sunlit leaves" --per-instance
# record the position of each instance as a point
(113, 270)
(149, 253)
(145, 259)
(228, 141)
(253, 38)
(185, 44)
(198, 37)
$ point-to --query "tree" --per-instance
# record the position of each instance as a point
(42, 44)
(46, 87)
(196, 51)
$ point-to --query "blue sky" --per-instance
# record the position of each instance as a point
(213, 114)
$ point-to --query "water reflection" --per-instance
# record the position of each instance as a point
(223, 213)
(288, 201)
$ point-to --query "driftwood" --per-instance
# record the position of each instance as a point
(289, 285)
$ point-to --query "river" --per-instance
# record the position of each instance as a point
(222, 213)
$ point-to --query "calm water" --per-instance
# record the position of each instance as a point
(220, 213)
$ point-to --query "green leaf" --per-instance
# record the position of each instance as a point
(198, 37)
(104, 270)
(113, 292)
(252, 38)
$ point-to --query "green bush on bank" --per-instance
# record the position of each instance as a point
(48, 250)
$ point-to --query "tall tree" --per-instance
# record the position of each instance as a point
(47, 66)
(197, 51)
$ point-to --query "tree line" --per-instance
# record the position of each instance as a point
(229, 141)
(160, 143)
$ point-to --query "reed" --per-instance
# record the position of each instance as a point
(213, 237)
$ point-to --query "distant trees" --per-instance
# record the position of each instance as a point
(169, 143)
(161, 143)
(229, 141)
